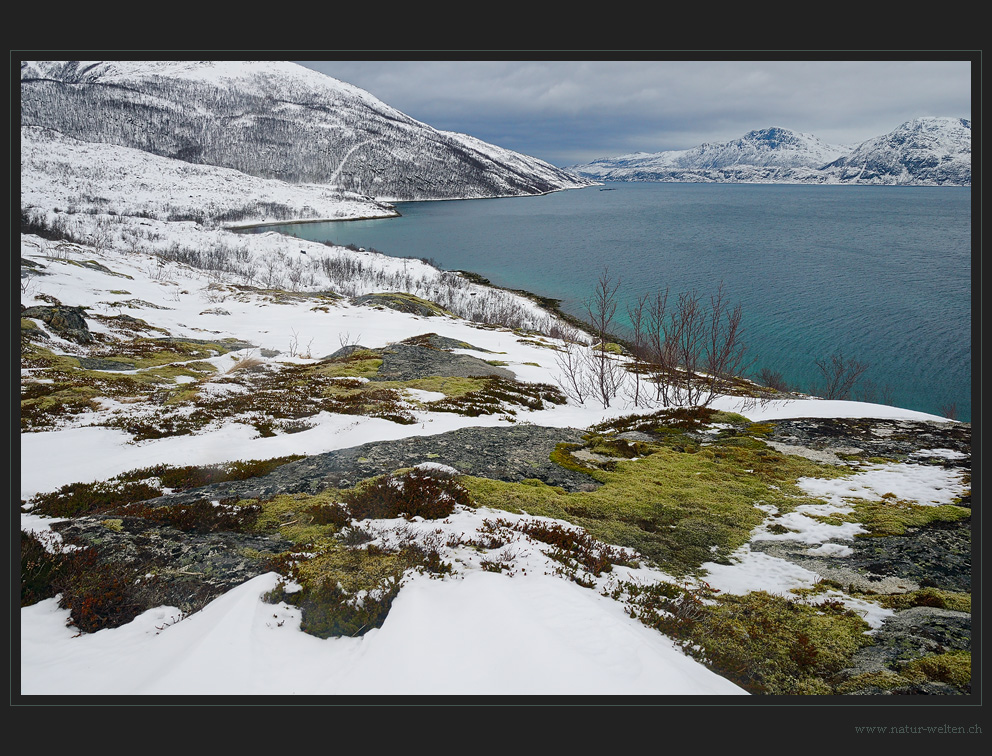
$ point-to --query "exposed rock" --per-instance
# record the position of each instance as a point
(228, 345)
(907, 635)
(510, 454)
(342, 353)
(406, 362)
(67, 322)
(875, 437)
(189, 569)
(400, 302)
(937, 556)
(32, 268)
(434, 341)
(101, 363)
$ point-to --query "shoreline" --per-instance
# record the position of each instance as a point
(397, 213)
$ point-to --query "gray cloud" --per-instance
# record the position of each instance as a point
(568, 112)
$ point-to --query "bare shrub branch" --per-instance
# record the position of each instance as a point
(840, 374)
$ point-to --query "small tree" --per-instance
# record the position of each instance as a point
(840, 375)
(572, 379)
(724, 345)
(685, 336)
(637, 314)
(773, 379)
(605, 374)
(694, 348)
(659, 352)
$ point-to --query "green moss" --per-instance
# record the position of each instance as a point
(761, 429)
(146, 483)
(57, 400)
(729, 418)
(404, 302)
(764, 643)
(609, 347)
(953, 668)
(562, 456)
(883, 679)
(679, 509)
(958, 602)
(68, 389)
(365, 366)
(893, 517)
(499, 396)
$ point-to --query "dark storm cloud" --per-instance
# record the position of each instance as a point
(568, 112)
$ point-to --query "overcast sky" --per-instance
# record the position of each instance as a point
(569, 112)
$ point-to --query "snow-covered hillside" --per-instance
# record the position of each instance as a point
(511, 630)
(216, 428)
(922, 152)
(274, 120)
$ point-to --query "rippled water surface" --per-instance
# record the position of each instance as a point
(882, 274)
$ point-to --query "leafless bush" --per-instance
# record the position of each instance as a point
(637, 314)
(29, 285)
(869, 391)
(295, 350)
(840, 375)
(773, 379)
(345, 339)
(246, 362)
(572, 376)
(605, 374)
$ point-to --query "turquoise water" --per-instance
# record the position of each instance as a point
(882, 274)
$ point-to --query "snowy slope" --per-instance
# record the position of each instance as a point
(273, 120)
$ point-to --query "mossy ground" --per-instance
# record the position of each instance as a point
(163, 382)
(347, 583)
(951, 669)
(146, 483)
(764, 643)
(679, 505)
(892, 516)
(688, 496)
(57, 386)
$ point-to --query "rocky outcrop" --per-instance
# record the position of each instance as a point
(401, 303)
(67, 322)
(507, 453)
(406, 362)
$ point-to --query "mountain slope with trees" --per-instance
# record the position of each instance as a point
(274, 120)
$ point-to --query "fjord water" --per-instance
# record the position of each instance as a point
(881, 274)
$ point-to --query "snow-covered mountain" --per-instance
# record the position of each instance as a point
(273, 120)
(924, 151)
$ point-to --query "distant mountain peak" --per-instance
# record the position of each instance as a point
(929, 151)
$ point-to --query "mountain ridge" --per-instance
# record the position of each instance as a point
(930, 151)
